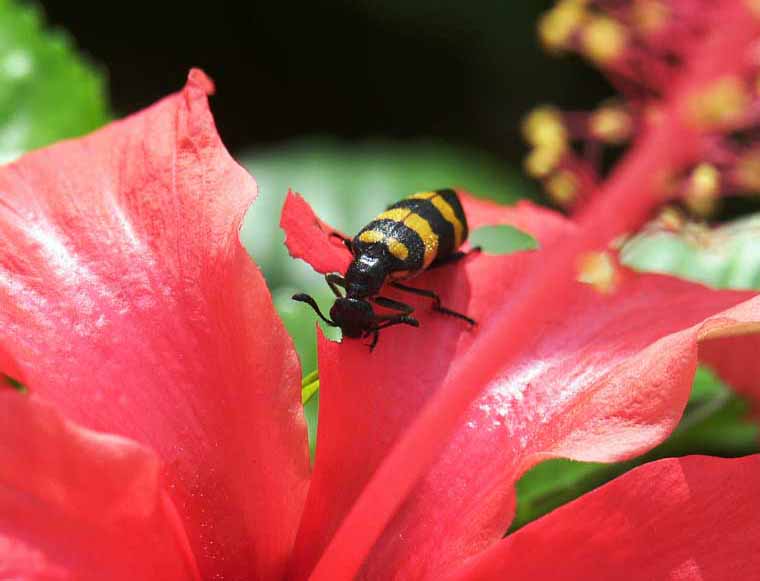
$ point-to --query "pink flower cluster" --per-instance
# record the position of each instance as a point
(654, 53)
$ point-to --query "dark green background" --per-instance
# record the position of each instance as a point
(463, 72)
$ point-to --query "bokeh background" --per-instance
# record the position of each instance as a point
(353, 104)
(460, 72)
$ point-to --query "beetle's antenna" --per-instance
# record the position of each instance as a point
(304, 298)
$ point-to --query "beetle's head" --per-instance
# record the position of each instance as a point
(354, 316)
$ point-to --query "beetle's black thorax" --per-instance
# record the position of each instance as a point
(367, 272)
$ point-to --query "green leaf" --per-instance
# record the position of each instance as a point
(47, 91)
(502, 239)
(725, 257)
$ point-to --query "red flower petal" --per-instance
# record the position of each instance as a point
(128, 301)
(308, 237)
(605, 382)
(736, 361)
(680, 518)
(542, 224)
(75, 504)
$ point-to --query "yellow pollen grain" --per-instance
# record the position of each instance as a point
(603, 39)
(611, 124)
(722, 103)
(599, 270)
(562, 187)
(541, 161)
(703, 188)
(371, 236)
(397, 248)
(557, 26)
(544, 127)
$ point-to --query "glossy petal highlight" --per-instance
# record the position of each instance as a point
(128, 301)
(75, 504)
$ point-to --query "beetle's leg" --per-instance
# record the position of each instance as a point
(346, 241)
(455, 257)
(335, 280)
(436, 301)
(395, 305)
(396, 320)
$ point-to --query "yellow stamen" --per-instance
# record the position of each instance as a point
(721, 103)
(603, 39)
(703, 188)
(557, 26)
(544, 126)
(541, 161)
(562, 187)
(611, 124)
(599, 270)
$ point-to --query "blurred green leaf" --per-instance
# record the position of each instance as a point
(715, 421)
(47, 91)
(502, 239)
(725, 257)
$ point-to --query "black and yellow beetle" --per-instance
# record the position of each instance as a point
(420, 232)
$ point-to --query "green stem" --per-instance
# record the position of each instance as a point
(309, 386)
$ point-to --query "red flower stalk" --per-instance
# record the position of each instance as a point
(129, 306)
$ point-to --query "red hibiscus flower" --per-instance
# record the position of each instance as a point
(163, 435)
